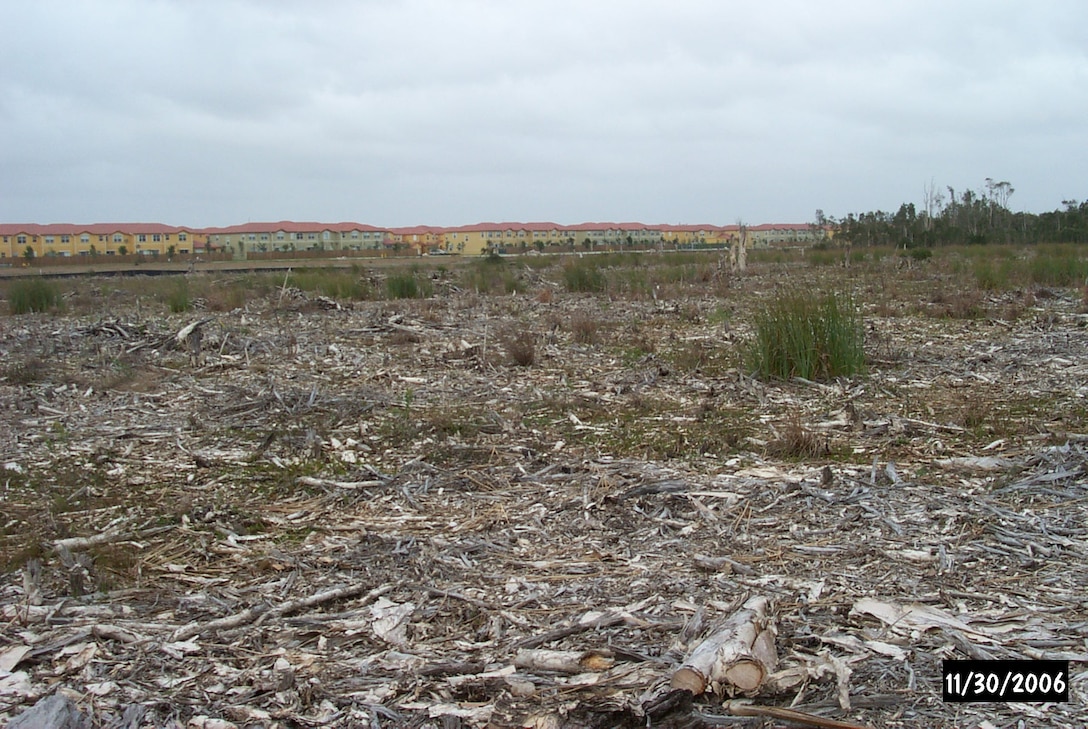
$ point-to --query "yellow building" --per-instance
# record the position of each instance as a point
(64, 240)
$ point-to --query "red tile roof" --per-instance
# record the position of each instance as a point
(289, 226)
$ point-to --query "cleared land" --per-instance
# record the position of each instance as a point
(372, 496)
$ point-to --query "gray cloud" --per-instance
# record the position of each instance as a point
(448, 112)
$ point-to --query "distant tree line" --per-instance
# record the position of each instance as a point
(948, 217)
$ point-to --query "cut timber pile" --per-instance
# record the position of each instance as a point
(738, 656)
(369, 516)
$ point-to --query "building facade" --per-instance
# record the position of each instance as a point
(289, 236)
(154, 239)
(31, 240)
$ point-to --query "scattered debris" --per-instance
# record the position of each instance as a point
(368, 516)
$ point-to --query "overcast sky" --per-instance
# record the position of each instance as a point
(448, 112)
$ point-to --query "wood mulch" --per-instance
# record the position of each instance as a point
(373, 515)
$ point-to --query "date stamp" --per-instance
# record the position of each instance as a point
(1002, 680)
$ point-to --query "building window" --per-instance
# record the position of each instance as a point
(84, 238)
(142, 238)
(48, 239)
(264, 236)
(279, 235)
(118, 238)
(155, 237)
(183, 236)
(325, 235)
(298, 236)
(22, 240)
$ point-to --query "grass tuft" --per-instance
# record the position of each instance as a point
(583, 277)
(32, 295)
(810, 335)
(177, 298)
(407, 286)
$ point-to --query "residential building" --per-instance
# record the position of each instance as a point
(286, 235)
(107, 239)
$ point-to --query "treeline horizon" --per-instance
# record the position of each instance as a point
(948, 216)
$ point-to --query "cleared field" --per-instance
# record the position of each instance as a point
(372, 495)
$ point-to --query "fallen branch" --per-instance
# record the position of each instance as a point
(564, 661)
(775, 712)
(605, 621)
(325, 483)
(117, 534)
(263, 612)
(77, 544)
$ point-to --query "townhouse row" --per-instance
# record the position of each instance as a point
(154, 239)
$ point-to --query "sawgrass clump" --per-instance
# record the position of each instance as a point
(816, 336)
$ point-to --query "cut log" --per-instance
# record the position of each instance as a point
(572, 662)
(737, 657)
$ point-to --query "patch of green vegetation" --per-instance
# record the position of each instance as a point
(177, 298)
(35, 295)
(333, 283)
(407, 285)
(1058, 265)
(821, 257)
(918, 253)
(994, 274)
(492, 274)
(721, 315)
(583, 276)
(817, 336)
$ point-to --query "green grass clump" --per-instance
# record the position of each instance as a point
(583, 277)
(177, 298)
(811, 335)
(335, 284)
(994, 275)
(1058, 266)
(407, 286)
(491, 275)
(35, 294)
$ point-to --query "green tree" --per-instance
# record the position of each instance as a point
(28, 254)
